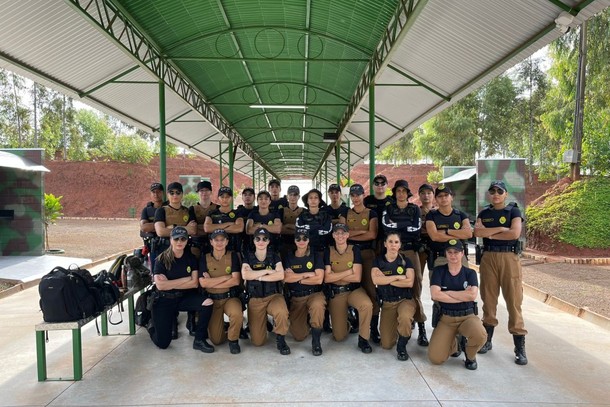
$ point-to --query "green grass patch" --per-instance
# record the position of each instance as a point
(580, 215)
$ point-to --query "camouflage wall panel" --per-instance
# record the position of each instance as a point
(189, 183)
(22, 192)
(450, 170)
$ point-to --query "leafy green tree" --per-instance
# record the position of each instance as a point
(52, 211)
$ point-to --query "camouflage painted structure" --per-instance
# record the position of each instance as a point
(465, 189)
(189, 182)
(22, 203)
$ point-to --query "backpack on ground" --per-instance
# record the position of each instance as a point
(66, 295)
(143, 308)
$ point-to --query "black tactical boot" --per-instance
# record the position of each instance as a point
(203, 345)
(175, 329)
(461, 346)
(243, 332)
(487, 347)
(364, 345)
(422, 340)
(234, 347)
(375, 330)
(353, 320)
(281, 345)
(401, 348)
(326, 325)
(191, 322)
(520, 357)
(471, 364)
(316, 348)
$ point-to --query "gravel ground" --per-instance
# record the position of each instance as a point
(582, 285)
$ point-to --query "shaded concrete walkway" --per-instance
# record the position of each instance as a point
(569, 364)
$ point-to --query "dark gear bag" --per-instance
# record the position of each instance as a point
(116, 269)
(65, 295)
(107, 287)
(138, 275)
(144, 305)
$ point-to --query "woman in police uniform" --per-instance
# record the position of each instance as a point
(220, 276)
(316, 220)
(394, 275)
(303, 275)
(176, 279)
(263, 272)
(343, 273)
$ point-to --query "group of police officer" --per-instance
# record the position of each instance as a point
(312, 267)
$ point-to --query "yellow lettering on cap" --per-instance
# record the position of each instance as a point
(452, 242)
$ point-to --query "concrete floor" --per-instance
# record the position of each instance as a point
(569, 364)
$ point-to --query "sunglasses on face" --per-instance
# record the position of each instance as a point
(261, 239)
(496, 191)
(301, 238)
(175, 193)
(180, 239)
(379, 184)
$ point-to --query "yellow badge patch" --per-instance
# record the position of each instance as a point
(185, 218)
(228, 270)
(388, 203)
(188, 269)
(270, 222)
(456, 225)
(309, 265)
(400, 270)
(231, 215)
(364, 222)
(350, 264)
(502, 220)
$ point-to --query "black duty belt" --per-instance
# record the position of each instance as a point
(362, 245)
(170, 295)
(457, 313)
(338, 289)
(222, 296)
(439, 254)
(305, 293)
(396, 298)
(503, 249)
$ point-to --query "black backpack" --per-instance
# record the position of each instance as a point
(68, 295)
(136, 273)
(116, 269)
(108, 288)
(143, 309)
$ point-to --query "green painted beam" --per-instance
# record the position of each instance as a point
(274, 60)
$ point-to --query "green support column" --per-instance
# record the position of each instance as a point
(326, 180)
(231, 159)
(338, 161)
(77, 354)
(253, 175)
(41, 356)
(162, 147)
(371, 136)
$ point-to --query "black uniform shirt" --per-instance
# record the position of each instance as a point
(268, 219)
(452, 221)
(148, 214)
(319, 226)
(278, 204)
(219, 217)
(305, 264)
(335, 213)
(379, 205)
(180, 268)
(406, 221)
(492, 218)
(442, 278)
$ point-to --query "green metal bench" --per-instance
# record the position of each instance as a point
(75, 326)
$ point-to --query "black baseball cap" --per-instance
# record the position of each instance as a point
(442, 189)
(204, 184)
(156, 186)
(293, 189)
(401, 183)
(248, 189)
(263, 192)
(356, 189)
(340, 226)
(261, 232)
(178, 232)
(424, 187)
(175, 186)
(301, 232)
(455, 244)
(274, 181)
(334, 187)
(380, 177)
(225, 190)
(219, 232)
(498, 184)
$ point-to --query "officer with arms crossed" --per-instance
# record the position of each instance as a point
(500, 225)
(176, 279)
(337, 209)
(275, 187)
(394, 275)
(227, 219)
(316, 220)
(426, 197)
(303, 275)
(343, 273)
(263, 272)
(199, 211)
(220, 276)
(455, 287)
(263, 217)
(147, 221)
(288, 215)
(379, 201)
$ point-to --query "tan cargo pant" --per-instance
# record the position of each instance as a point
(313, 305)
(443, 342)
(420, 315)
(368, 255)
(338, 313)
(396, 318)
(232, 308)
(258, 308)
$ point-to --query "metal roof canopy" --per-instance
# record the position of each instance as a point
(273, 76)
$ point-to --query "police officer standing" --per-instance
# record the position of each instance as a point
(176, 279)
(455, 288)
(275, 187)
(378, 202)
(404, 218)
(394, 275)
(200, 242)
(316, 220)
(362, 224)
(263, 217)
(227, 219)
(303, 275)
(500, 225)
(343, 273)
(220, 276)
(336, 208)
(263, 272)
(288, 215)
(243, 211)
(147, 221)
(426, 197)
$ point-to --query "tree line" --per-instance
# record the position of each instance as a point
(526, 112)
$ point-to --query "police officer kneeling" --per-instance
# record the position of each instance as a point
(455, 287)
(177, 281)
